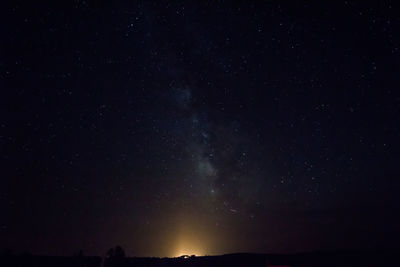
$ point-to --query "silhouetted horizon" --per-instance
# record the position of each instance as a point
(119, 259)
(81, 253)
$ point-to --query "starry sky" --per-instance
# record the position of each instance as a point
(199, 127)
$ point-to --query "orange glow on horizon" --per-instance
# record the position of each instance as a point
(190, 242)
(188, 248)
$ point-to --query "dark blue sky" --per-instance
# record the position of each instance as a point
(199, 128)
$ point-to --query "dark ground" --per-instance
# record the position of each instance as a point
(338, 258)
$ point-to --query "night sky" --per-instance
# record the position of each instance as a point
(200, 128)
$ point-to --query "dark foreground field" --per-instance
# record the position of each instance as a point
(346, 258)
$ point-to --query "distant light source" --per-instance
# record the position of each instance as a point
(187, 248)
(187, 256)
(188, 253)
(184, 257)
(190, 241)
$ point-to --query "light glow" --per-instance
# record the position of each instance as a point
(189, 243)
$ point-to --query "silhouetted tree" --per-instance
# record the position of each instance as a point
(119, 252)
(114, 257)
(79, 253)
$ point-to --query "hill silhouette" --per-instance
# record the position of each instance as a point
(115, 257)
